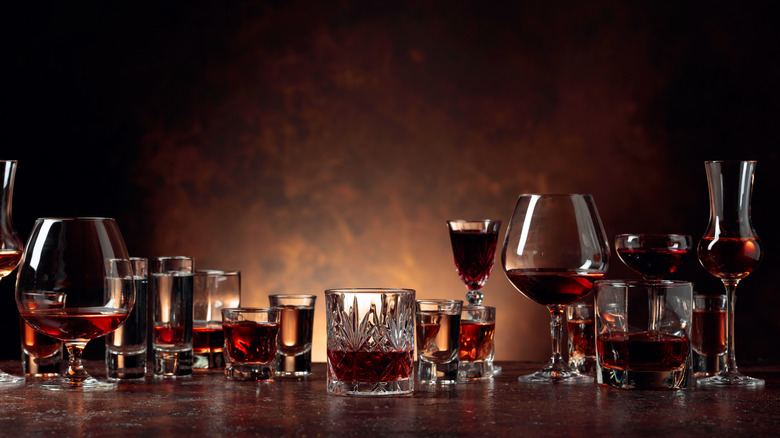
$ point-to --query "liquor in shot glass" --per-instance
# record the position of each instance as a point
(41, 354)
(214, 290)
(296, 326)
(250, 343)
(172, 290)
(708, 334)
(438, 340)
(582, 337)
(126, 346)
(477, 329)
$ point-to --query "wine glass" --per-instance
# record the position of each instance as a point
(474, 248)
(653, 256)
(554, 250)
(730, 249)
(10, 244)
(83, 260)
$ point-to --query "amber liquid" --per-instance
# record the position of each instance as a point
(730, 258)
(77, 323)
(644, 351)
(207, 340)
(476, 340)
(708, 332)
(553, 287)
(582, 337)
(37, 344)
(474, 252)
(374, 366)
(652, 263)
(8, 261)
(168, 334)
(438, 336)
(250, 342)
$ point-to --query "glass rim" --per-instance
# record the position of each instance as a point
(653, 235)
(437, 301)
(75, 219)
(217, 272)
(250, 309)
(376, 290)
(641, 283)
(292, 296)
(730, 161)
(9, 161)
(174, 258)
(489, 308)
(473, 221)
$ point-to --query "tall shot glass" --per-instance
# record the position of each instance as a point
(250, 343)
(172, 289)
(708, 334)
(296, 326)
(370, 341)
(214, 290)
(438, 340)
(126, 347)
(582, 336)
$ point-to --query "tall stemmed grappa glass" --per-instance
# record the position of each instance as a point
(474, 249)
(730, 249)
(82, 264)
(10, 244)
(554, 250)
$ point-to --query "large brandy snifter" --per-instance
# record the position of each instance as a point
(730, 249)
(10, 244)
(84, 262)
(554, 251)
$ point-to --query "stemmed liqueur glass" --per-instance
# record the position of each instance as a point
(84, 262)
(653, 256)
(474, 248)
(554, 250)
(10, 244)
(730, 249)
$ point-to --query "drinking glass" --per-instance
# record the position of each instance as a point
(474, 248)
(172, 289)
(730, 249)
(214, 290)
(553, 252)
(653, 256)
(126, 351)
(582, 336)
(708, 334)
(438, 340)
(86, 261)
(10, 244)
(296, 327)
(477, 346)
(250, 342)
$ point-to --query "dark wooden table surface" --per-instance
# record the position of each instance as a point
(208, 404)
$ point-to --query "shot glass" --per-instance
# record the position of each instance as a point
(370, 341)
(126, 347)
(438, 340)
(582, 336)
(172, 288)
(643, 334)
(708, 334)
(213, 291)
(296, 324)
(41, 354)
(250, 342)
(477, 328)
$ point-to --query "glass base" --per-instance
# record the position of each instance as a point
(293, 366)
(437, 373)
(399, 387)
(85, 385)
(173, 364)
(731, 380)
(125, 366)
(477, 370)
(549, 375)
(8, 381)
(208, 361)
(256, 372)
(644, 379)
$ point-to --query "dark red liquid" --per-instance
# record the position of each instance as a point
(8, 261)
(643, 351)
(37, 344)
(652, 263)
(729, 257)
(474, 252)
(168, 334)
(207, 339)
(553, 287)
(476, 340)
(77, 323)
(375, 366)
(708, 332)
(250, 342)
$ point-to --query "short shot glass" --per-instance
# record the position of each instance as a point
(41, 354)
(296, 327)
(250, 343)
(477, 329)
(708, 334)
(581, 324)
(438, 340)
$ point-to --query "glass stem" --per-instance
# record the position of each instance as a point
(76, 372)
(474, 297)
(556, 331)
(731, 298)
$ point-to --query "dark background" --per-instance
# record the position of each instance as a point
(324, 144)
